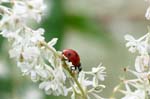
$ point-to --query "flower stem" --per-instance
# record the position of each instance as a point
(79, 86)
(75, 80)
(65, 66)
(49, 48)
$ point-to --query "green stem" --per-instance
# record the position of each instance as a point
(79, 86)
(76, 81)
(49, 48)
(65, 66)
(116, 89)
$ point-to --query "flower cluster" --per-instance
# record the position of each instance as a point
(138, 88)
(27, 47)
(40, 60)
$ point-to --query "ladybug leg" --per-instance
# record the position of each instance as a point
(80, 68)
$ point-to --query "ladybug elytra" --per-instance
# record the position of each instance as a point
(74, 58)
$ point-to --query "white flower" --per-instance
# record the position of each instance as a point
(129, 38)
(29, 69)
(147, 14)
(84, 81)
(56, 85)
(132, 43)
(142, 63)
(138, 94)
(10, 22)
(15, 53)
(99, 72)
(29, 9)
(37, 35)
(136, 45)
(59, 74)
(26, 53)
(30, 53)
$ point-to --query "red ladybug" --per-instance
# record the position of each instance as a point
(73, 57)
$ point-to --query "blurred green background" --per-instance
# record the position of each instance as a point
(94, 28)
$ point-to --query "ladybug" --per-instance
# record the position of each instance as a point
(74, 58)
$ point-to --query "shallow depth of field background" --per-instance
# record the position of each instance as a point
(94, 28)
